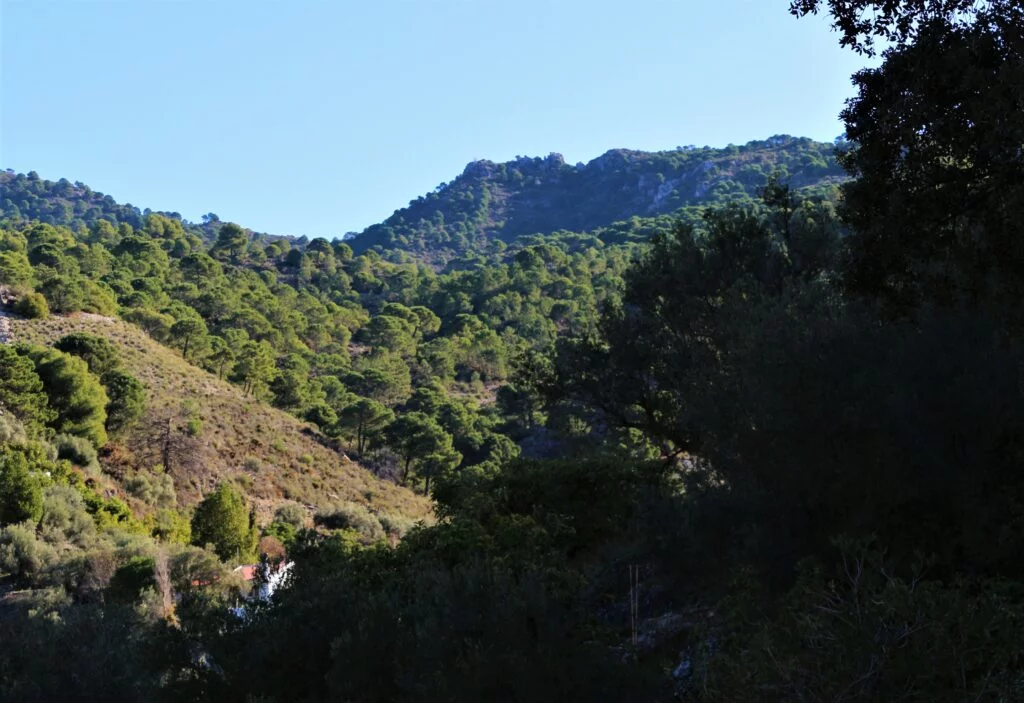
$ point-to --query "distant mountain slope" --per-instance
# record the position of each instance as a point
(29, 197)
(491, 201)
(76, 205)
(268, 453)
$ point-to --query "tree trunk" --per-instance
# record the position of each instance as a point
(165, 450)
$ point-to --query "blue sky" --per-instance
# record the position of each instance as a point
(322, 117)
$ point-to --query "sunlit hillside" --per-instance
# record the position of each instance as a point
(269, 454)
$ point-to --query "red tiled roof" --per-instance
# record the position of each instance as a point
(248, 571)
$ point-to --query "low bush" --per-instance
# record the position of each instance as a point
(351, 516)
(33, 306)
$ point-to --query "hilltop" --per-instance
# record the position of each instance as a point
(491, 202)
(29, 197)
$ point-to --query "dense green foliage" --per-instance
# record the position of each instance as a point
(21, 497)
(30, 197)
(33, 306)
(948, 143)
(75, 395)
(21, 390)
(222, 519)
(98, 353)
(127, 399)
(342, 340)
(767, 450)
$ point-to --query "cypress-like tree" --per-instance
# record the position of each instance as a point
(222, 519)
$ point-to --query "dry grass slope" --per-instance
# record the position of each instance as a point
(272, 456)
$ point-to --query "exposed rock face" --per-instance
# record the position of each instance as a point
(479, 169)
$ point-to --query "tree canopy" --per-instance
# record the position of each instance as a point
(222, 519)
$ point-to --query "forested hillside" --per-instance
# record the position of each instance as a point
(27, 197)
(751, 432)
(489, 205)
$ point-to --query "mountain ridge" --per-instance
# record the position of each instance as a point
(490, 201)
(499, 201)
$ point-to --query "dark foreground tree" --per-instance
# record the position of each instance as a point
(939, 174)
(862, 23)
(679, 315)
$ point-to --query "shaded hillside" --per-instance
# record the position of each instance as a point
(268, 453)
(491, 201)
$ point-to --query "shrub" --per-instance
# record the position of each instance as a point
(66, 520)
(288, 520)
(397, 526)
(352, 516)
(131, 578)
(97, 569)
(153, 488)
(271, 548)
(22, 553)
(21, 497)
(111, 512)
(78, 451)
(171, 526)
(11, 430)
(291, 514)
(193, 565)
(33, 306)
(861, 633)
(157, 325)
